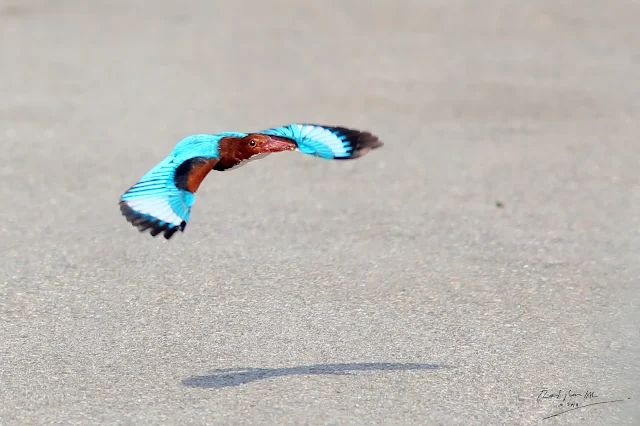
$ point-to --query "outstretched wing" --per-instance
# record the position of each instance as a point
(329, 142)
(162, 199)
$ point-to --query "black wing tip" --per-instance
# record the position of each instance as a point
(361, 141)
(143, 223)
(364, 143)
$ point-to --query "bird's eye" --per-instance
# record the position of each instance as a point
(252, 143)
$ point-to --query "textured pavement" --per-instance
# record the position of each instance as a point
(489, 251)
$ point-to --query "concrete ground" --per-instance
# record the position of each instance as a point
(490, 250)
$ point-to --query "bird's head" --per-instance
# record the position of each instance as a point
(256, 143)
(235, 150)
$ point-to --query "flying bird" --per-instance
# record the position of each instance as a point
(161, 201)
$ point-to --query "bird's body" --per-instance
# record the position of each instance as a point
(162, 198)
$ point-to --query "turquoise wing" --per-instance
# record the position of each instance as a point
(162, 199)
(156, 203)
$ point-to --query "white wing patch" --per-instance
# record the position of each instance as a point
(321, 135)
(157, 207)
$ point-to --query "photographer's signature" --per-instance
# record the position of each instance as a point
(569, 400)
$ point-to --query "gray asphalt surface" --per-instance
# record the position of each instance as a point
(388, 290)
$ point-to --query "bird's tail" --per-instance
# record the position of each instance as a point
(156, 203)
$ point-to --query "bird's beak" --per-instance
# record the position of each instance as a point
(275, 144)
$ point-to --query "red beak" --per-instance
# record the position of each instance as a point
(275, 144)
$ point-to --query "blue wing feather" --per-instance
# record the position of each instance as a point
(155, 202)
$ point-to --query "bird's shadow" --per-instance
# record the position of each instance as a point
(229, 377)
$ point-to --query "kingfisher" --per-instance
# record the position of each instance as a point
(161, 201)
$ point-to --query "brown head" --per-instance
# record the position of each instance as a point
(235, 150)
